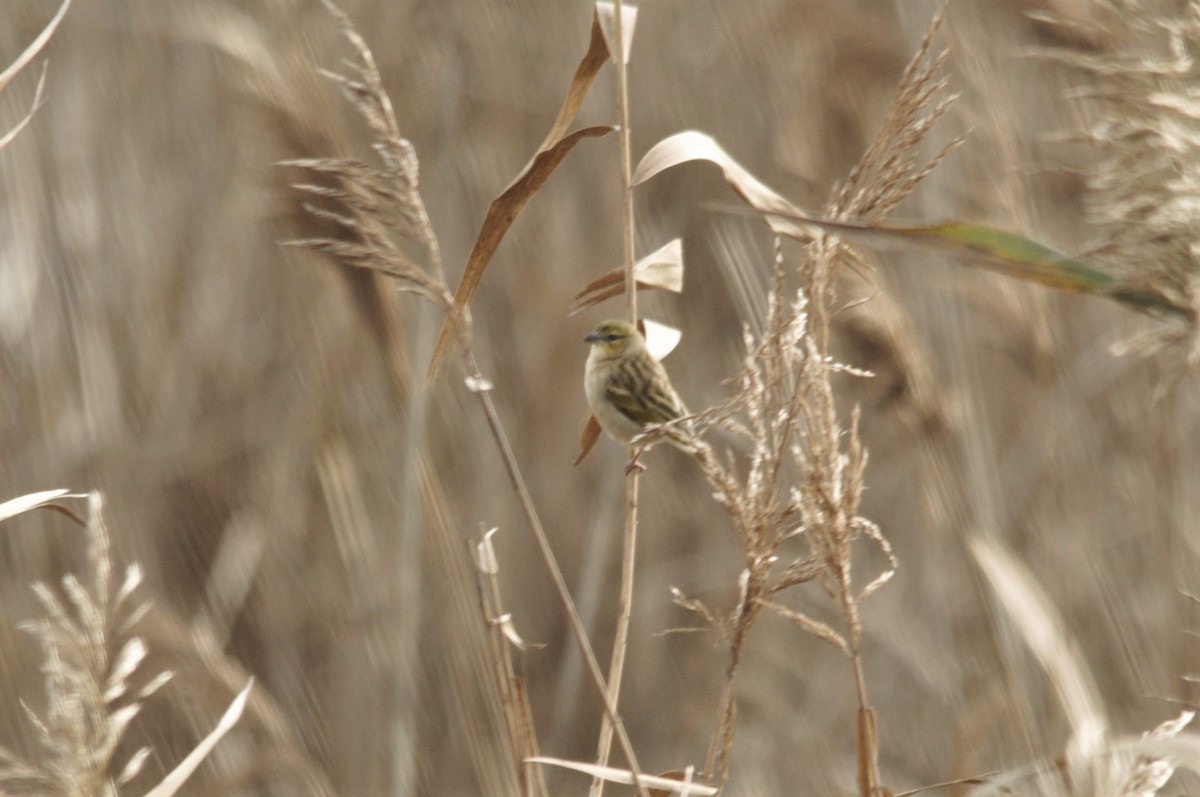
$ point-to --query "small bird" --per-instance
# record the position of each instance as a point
(627, 389)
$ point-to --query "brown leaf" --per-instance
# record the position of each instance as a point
(660, 269)
(597, 54)
(500, 216)
(587, 438)
(508, 205)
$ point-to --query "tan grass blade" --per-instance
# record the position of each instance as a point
(16, 506)
(1001, 251)
(35, 46)
(662, 269)
(179, 775)
(692, 145)
(625, 777)
(508, 205)
(1034, 617)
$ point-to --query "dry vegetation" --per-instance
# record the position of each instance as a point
(302, 509)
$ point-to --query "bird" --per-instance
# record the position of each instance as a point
(626, 388)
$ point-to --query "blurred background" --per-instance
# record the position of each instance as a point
(303, 517)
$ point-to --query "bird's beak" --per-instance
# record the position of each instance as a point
(591, 337)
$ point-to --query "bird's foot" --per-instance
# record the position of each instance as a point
(633, 465)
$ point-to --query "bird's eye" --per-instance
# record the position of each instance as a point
(611, 338)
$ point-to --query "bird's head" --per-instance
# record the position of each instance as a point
(614, 338)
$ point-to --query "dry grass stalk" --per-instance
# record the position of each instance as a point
(802, 482)
(1141, 195)
(89, 658)
(375, 206)
(622, 36)
(518, 716)
(370, 208)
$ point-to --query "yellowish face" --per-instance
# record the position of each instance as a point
(612, 337)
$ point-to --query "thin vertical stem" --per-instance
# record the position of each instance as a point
(560, 583)
(621, 633)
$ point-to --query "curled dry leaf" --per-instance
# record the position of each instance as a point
(508, 205)
(692, 145)
(505, 622)
(24, 503)
(663, 269)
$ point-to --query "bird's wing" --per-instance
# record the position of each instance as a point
(641, 391)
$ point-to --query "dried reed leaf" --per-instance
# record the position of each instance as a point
(693, 145)
(35, 46)
(585, 74)
(179, 775)
(16, 506)
(1007, 253)
(624, 776)
(508, 205)
(588, 436)
(1031, 612)
(500, 217)
(606, 14)
(662, 268)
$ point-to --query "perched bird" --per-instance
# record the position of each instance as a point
(627, 389)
